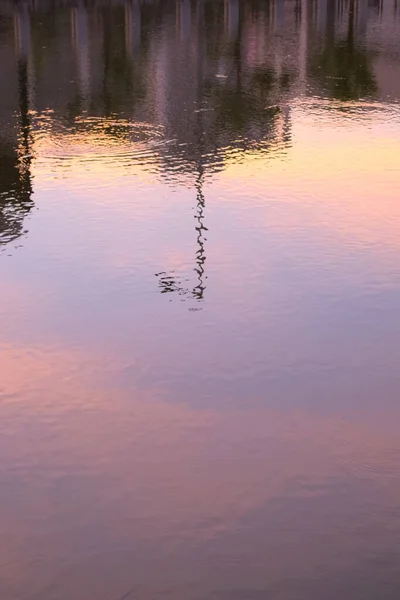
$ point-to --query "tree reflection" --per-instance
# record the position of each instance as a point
(344, 65)
(15, 169)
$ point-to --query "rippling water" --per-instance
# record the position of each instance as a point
(199, 258)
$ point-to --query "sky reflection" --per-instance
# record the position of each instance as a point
(199, 224)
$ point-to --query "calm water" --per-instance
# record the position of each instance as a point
(199, 309)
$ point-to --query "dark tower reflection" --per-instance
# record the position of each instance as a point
(16, 154)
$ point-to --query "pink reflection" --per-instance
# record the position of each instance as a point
(99, 479)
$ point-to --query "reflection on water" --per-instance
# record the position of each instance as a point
(199, 349)
(172, 283)
(15, 158)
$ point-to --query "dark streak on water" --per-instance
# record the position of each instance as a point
(199, 265)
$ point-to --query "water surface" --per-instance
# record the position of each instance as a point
(199, 257)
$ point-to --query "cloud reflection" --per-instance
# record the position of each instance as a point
(141, 477)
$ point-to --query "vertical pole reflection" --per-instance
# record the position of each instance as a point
(362, 16)
(183, 18)
(279, 14)
(198, 290)
(303, 46)
(231, 18)
(80, 39)
(132, 26)
(169, 282)
(22, 31)
(350, 31)
(322, 11)
(22, 27)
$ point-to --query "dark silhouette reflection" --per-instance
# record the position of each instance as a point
(345, 64)
(15, 159)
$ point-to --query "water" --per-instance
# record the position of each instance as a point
(199, 265)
